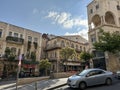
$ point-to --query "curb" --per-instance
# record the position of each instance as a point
(57, 86)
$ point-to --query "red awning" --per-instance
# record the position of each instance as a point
(29, 66)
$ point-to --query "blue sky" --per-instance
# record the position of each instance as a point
(57, 17)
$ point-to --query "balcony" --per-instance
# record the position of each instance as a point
(52, 47)
(15, 40)
(78, 50)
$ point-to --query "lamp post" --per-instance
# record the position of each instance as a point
(18, 71)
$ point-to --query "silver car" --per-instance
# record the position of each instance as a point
(89, 77)
(118, 74)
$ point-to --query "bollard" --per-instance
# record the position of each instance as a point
(36, 85)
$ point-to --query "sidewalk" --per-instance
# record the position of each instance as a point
(49, 84)
(5, 84)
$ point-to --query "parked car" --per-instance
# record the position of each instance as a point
(118, 74)
(89, 77)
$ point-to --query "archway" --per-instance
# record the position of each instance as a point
(96, 20)
(109, 18)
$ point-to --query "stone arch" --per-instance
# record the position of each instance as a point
(109, 18)
(96, 20)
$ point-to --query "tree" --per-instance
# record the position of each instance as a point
(108, 42)
(33, 56)
(44, 65)
(86, 56)
(67, 53)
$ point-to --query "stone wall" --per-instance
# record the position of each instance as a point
(62, 74)
(23, 81)
(113, 62)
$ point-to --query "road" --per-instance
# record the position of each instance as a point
(41, 85)
(114, 86)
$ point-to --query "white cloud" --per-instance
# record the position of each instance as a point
(83, 33)
(66, 20)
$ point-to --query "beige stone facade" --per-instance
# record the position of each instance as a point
(53, 48)
(103, 14)
(17, 38)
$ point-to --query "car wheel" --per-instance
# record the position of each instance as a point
(108, 81)
(82, 85)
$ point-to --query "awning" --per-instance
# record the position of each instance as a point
(28, 66)
(72, 64)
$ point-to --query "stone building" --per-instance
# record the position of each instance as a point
(52, 51)
(104, 14)
(19, 41)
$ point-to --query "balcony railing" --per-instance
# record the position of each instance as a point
(78, 50)
(15, 40)
(53, 47)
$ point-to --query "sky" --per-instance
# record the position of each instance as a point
(56, 17)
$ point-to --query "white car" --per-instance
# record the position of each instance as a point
(89, 77)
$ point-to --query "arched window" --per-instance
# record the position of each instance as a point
(68, 44)
(72, 45)
(62, 44)
(96, 20)
(55, 43)
(76, 46)
(109, 18)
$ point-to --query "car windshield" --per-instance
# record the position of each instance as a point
(82, 73)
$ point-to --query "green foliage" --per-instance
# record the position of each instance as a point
(33, 56)
(108, 42)
(85, 56)
(9, 54)
(44, 64)
(67, 53)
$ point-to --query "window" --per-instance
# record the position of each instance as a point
(0, 46)
(0, 33)
(10, 34)
(91, 11)
(97, 6)
(29, 38)
(93, 39)
(99, 72)
(72, 45)
(21, 36)
(76, 46)
(15, 34)
(55, 43)
(68, 44)
(62, 44)
(119, 20)
(118, 7)
(35, 39)
(81, 48)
